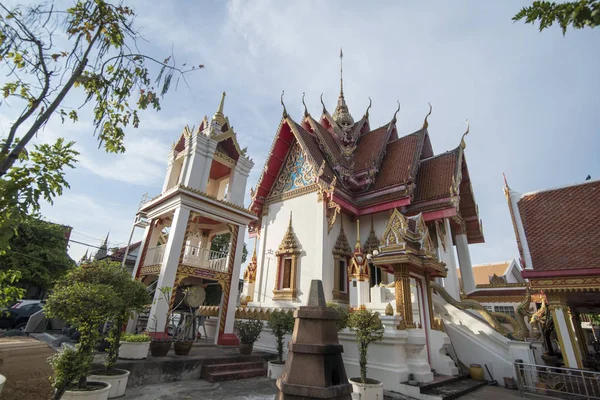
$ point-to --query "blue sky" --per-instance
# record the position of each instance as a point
(531, 98)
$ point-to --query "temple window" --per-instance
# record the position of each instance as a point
(341, 258)
(510, 310)
(287, 266)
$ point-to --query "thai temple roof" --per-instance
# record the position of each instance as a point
(375, 169)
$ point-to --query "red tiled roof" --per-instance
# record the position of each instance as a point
(369, 147)
(561, 227)
(434, 177)
(310, 144)
(398, 162)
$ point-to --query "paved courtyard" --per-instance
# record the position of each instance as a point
(261, 389)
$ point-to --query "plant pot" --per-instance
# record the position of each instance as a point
(540, 387)
(476, 372)
(100, 393)
(2, 380)
(133, 350)
(510, 383)
(159, 348)
(246, 348)
(182, 348)
(275, 369)
(117, 379)
(372, 390)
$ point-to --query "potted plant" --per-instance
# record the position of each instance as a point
(184, 337)
(281, 323)
(133, 297)
(81, 299)
(134, 347)
(248, 331)
(368, 329)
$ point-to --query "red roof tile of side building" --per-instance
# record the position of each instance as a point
(561, 227)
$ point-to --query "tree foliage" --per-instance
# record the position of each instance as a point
(220, 243)
(9, 292)
(88, 50)
(369, 329)
(577, 14)
(39, 252)
(281, 323)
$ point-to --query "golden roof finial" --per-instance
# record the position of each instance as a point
(396, 113)
(425, 123)
(368, 108)
(341, 72)
(285, 114)
(219, 116)
(323, 104)
(290, 224)
(303, 103)
(357, 245)
(462, 139)
(254, 252)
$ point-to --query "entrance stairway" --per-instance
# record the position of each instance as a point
(250, 367)
(450, 387)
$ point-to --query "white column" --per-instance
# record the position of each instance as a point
(563, 326)
(170, 161)
(237, 181)
(464, 260)
(200, 162)
(235, 278)
(447, 256)
(168, 269)
(145, 238)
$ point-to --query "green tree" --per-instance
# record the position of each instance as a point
(39, 252)
(46, 53)
(369, 329)
(577, 14)
(8, 291)
(281, 322)
(221, 243)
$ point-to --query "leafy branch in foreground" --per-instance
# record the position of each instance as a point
(577, 14)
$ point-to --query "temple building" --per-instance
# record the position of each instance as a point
(557, 234)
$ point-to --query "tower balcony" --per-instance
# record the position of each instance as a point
(192, 256)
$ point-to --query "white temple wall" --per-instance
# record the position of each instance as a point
(306, 224)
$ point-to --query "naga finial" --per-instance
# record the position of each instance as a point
(368, 108)
(396, 113)
(323, 104)
(425, 123)
(285, 114)
(462, 139)
(305, 109)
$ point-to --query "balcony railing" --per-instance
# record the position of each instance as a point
(154, 255)
(558, 383)
(205, 258)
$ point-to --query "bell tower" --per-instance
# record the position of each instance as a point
(202, 197)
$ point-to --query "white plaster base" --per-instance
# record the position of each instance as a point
(440, 361)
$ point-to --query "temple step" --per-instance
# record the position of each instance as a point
(233, 371)
(451, 388)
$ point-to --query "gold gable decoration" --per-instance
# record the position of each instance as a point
(250, 273)
(296, 173)
(393, 236)
(288, 251)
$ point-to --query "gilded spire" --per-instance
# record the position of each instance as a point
(341, 115)
(372, 242)
(357, 246)
(254, 252)
(219, 113)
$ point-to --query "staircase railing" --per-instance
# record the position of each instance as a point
(559, 383)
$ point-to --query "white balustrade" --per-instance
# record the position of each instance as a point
(205, 258)
(155, 255)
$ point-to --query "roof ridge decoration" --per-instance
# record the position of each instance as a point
(342, 247)
(425, 123)
(306, 114)
(396, 113)
(463, 145)
(285, 114)
(289, 244)
(368, 108)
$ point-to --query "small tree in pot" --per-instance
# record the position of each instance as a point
(248, 331)
(368, 329)
(85, 303)
(281, 323)
(133, 297)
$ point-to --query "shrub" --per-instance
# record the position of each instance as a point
(369, 329)
(132, 338)
(281, 323)
(343, 315)
(248, 331)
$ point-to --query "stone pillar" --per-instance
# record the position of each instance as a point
(464, 260)
(226, 337)
(168, 270)
(199, 162)
(139, 262)
(237, 181)
(403, 298)
(564, 330)
(429, 300)
(450, 283)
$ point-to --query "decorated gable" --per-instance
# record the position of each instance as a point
(297, 172)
